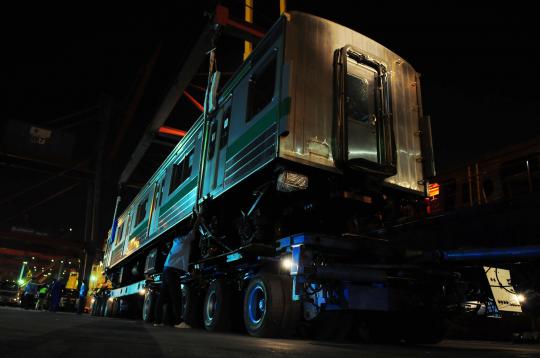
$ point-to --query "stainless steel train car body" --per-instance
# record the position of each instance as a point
(279, 104)
(309, 57)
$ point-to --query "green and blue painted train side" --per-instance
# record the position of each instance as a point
(237, 147)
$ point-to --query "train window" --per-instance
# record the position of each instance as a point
(225, 128)
(161, 191)
(127, 223)
(181, 171)
(141, 212)
(358, 98)
(119, 232)
(212, 142)
(261, 89)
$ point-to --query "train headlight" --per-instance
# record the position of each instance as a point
(286, 262)
(142, 291)
(289, 181)
(521, 298)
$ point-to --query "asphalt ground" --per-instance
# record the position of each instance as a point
(45, 334)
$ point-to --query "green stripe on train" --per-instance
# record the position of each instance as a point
(139, 229)
(271, 117)
(179, 195)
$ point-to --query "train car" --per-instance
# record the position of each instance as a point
(318, 139)
(512, 173)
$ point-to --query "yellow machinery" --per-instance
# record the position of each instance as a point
(73, 280)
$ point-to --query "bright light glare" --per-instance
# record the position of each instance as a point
(93, 278)
(111, 299)
(142, 291)
(286, 263)
(521, 297)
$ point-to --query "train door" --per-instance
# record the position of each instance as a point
(154, 208)
(360, 84)
(128, 229)
(216, 151)
(365, 139)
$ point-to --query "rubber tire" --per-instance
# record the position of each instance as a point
(115, 308)
(93, 308)
(108, 308)
(149, 307)
(192, 306)
(124, 306)
(274, 317)
(102, 306)
(293, 309)
(221, 320)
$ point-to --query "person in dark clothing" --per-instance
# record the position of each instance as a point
(42, 294)
(29, 297)
(176, 266)
(83, 291)
(55, 293)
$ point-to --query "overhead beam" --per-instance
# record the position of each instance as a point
(48, 164)
(41, 202)
(10, 239)
(41, 183)
(26, 254)
(128, 115)
(194, 101)
(172, 131)
(238, 28)
(186, 73)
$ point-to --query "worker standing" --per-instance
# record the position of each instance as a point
(55, 293)
(42, 294)
(176, 266)
(30, 292)
(83, 291)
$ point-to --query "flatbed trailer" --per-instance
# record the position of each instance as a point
(283, 287)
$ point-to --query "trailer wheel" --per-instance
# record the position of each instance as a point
(115, 308)
(102, 306)
(216, 307)
(97, 306)
(93, 307)
(109, 303)
(191, 306)
(264, 306)
(293, 309)
(149, 306)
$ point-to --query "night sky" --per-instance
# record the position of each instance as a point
(479, 69)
